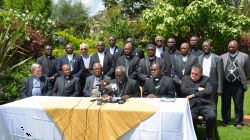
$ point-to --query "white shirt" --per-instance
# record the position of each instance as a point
(184, 59)
(101, 57)
(159, 51)
(70, 58)
(112, 50)
(86, 60)
(207, 65)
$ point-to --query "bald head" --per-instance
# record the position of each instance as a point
(232, 46)
(184, 48)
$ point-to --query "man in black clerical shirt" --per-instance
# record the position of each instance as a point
(198, 90)
(126, 87)
(158, 85)
(48, 63)
(67, 84)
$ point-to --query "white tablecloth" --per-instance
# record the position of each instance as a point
(26, 119)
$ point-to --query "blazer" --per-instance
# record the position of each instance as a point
(89, 84)
(72, 88)
(138, 53)
(176, 71)
(189, 87)
(216, 72)
(144, 68)
(168, 62)
(118, 52)
(164, 88)
(49, 67)
(243, 65)
(131, 87)
(108, 64)
(45, 85)
(133, 65)
(78, 65)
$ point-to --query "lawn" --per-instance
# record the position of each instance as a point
(230, 132)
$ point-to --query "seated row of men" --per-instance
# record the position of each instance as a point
(194, 87)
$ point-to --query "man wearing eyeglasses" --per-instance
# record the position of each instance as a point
(159, 43)
(198, 90)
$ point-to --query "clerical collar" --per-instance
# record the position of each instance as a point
(48, 56)
(172, 51)
(129, 56)
(151, 58)
(157, 78)
(233, 54)
(67, 77)
(194, 49)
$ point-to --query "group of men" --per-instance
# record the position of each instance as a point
(198, 75)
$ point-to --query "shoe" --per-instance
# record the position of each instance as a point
(239, 126)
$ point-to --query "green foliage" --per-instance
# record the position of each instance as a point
(11, 82)
(131, 8)
(71, 15)
(37, 6)
(204, 18)
(76, 41)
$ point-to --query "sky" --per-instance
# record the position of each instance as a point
(94, 6)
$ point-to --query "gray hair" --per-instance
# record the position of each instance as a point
(83, 45)
(35, 66)
(120, 68)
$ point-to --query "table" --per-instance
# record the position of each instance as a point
(27, 119)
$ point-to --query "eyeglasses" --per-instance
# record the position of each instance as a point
(158, 40)
(84, 49)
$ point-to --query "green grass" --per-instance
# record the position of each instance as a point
(230, 132)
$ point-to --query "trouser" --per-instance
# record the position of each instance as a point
(209, 116)
(236, 91)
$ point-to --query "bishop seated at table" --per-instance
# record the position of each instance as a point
(123, 86)
(67, 84)
(158, 85)
(94, 82)
(37, 84)
(198, 90)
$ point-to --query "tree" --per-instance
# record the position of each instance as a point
(37, 6)
(205, 18)
(131, 8)
(70, 15)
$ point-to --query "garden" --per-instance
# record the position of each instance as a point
(26, 26)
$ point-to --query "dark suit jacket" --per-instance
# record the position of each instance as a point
(78, 66)
(118, 52)
(243, 65)
(196, 51)
(144, 68)
(89, 84)
(189, 87)
(45, 85)
(168, 62)
(176, 71)
(133, 65)
(138, 53)
(216, 72)
(108, 64)
(131, 87)
(72, 87)
(164, 88)
(49, 67)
